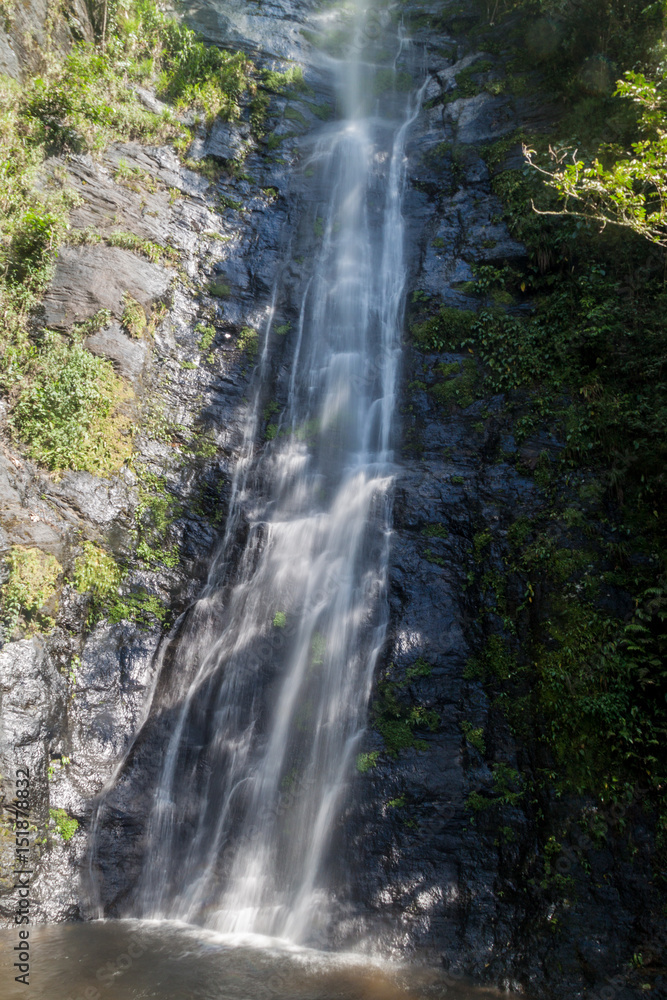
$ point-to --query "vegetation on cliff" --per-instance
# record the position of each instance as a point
(67, 408)
(573, 620)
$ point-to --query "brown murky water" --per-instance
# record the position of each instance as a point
(129, 960)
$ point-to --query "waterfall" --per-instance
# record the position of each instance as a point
(260, 754)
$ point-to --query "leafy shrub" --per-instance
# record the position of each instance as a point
(32, 583)
(207, 335)
(34, 244)
(446, 330)
(460, 388)
(134, 317)
(140, 607)
(65, 825)
(68, 413)
(475, 737)
(366, 761)
(278, 82)
(398, 721)
(97, 573)
(248, 342)
(154, 516)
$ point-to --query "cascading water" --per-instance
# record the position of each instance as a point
(259, 755)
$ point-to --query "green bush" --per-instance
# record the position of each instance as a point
(248, 342)
(367, 761)
(133, 319)
(68, 414)
(32, 583)
(34, 244)
(97, 573)
(65, 825)
(444, 331)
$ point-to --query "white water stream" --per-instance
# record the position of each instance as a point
(259, 762)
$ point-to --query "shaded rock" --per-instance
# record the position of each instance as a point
(32, 704)
(32, 720)
(109, 695)
(225, 141)
(481, 118)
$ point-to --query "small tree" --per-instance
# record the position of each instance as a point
(632, 192)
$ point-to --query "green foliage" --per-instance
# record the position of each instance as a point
(153, 519)
(435, 531)
(576, 45)
(508, 790)
(279, 619)
(475, 737)
(420, 668)
(323, 111)
(139, 607)
(206, 335)
(279, 82)
(318, 648)
(203, 444)
(97, 573)
(133, 319)
(127, 241)
(65, 825)
(480, 541)
(248, 342)
(397, 803)
(397, 720)
(294, 115)
(69, 412)
(367, 761)
(387, 79)
(33, 244)
(458, 387)
(444, 331)
(220, 289)
(552, 878)
(226, 201)
(495, 660)
(66, 405)
(32, 583)
(84, 103)
(466, 83)
(632, 191)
